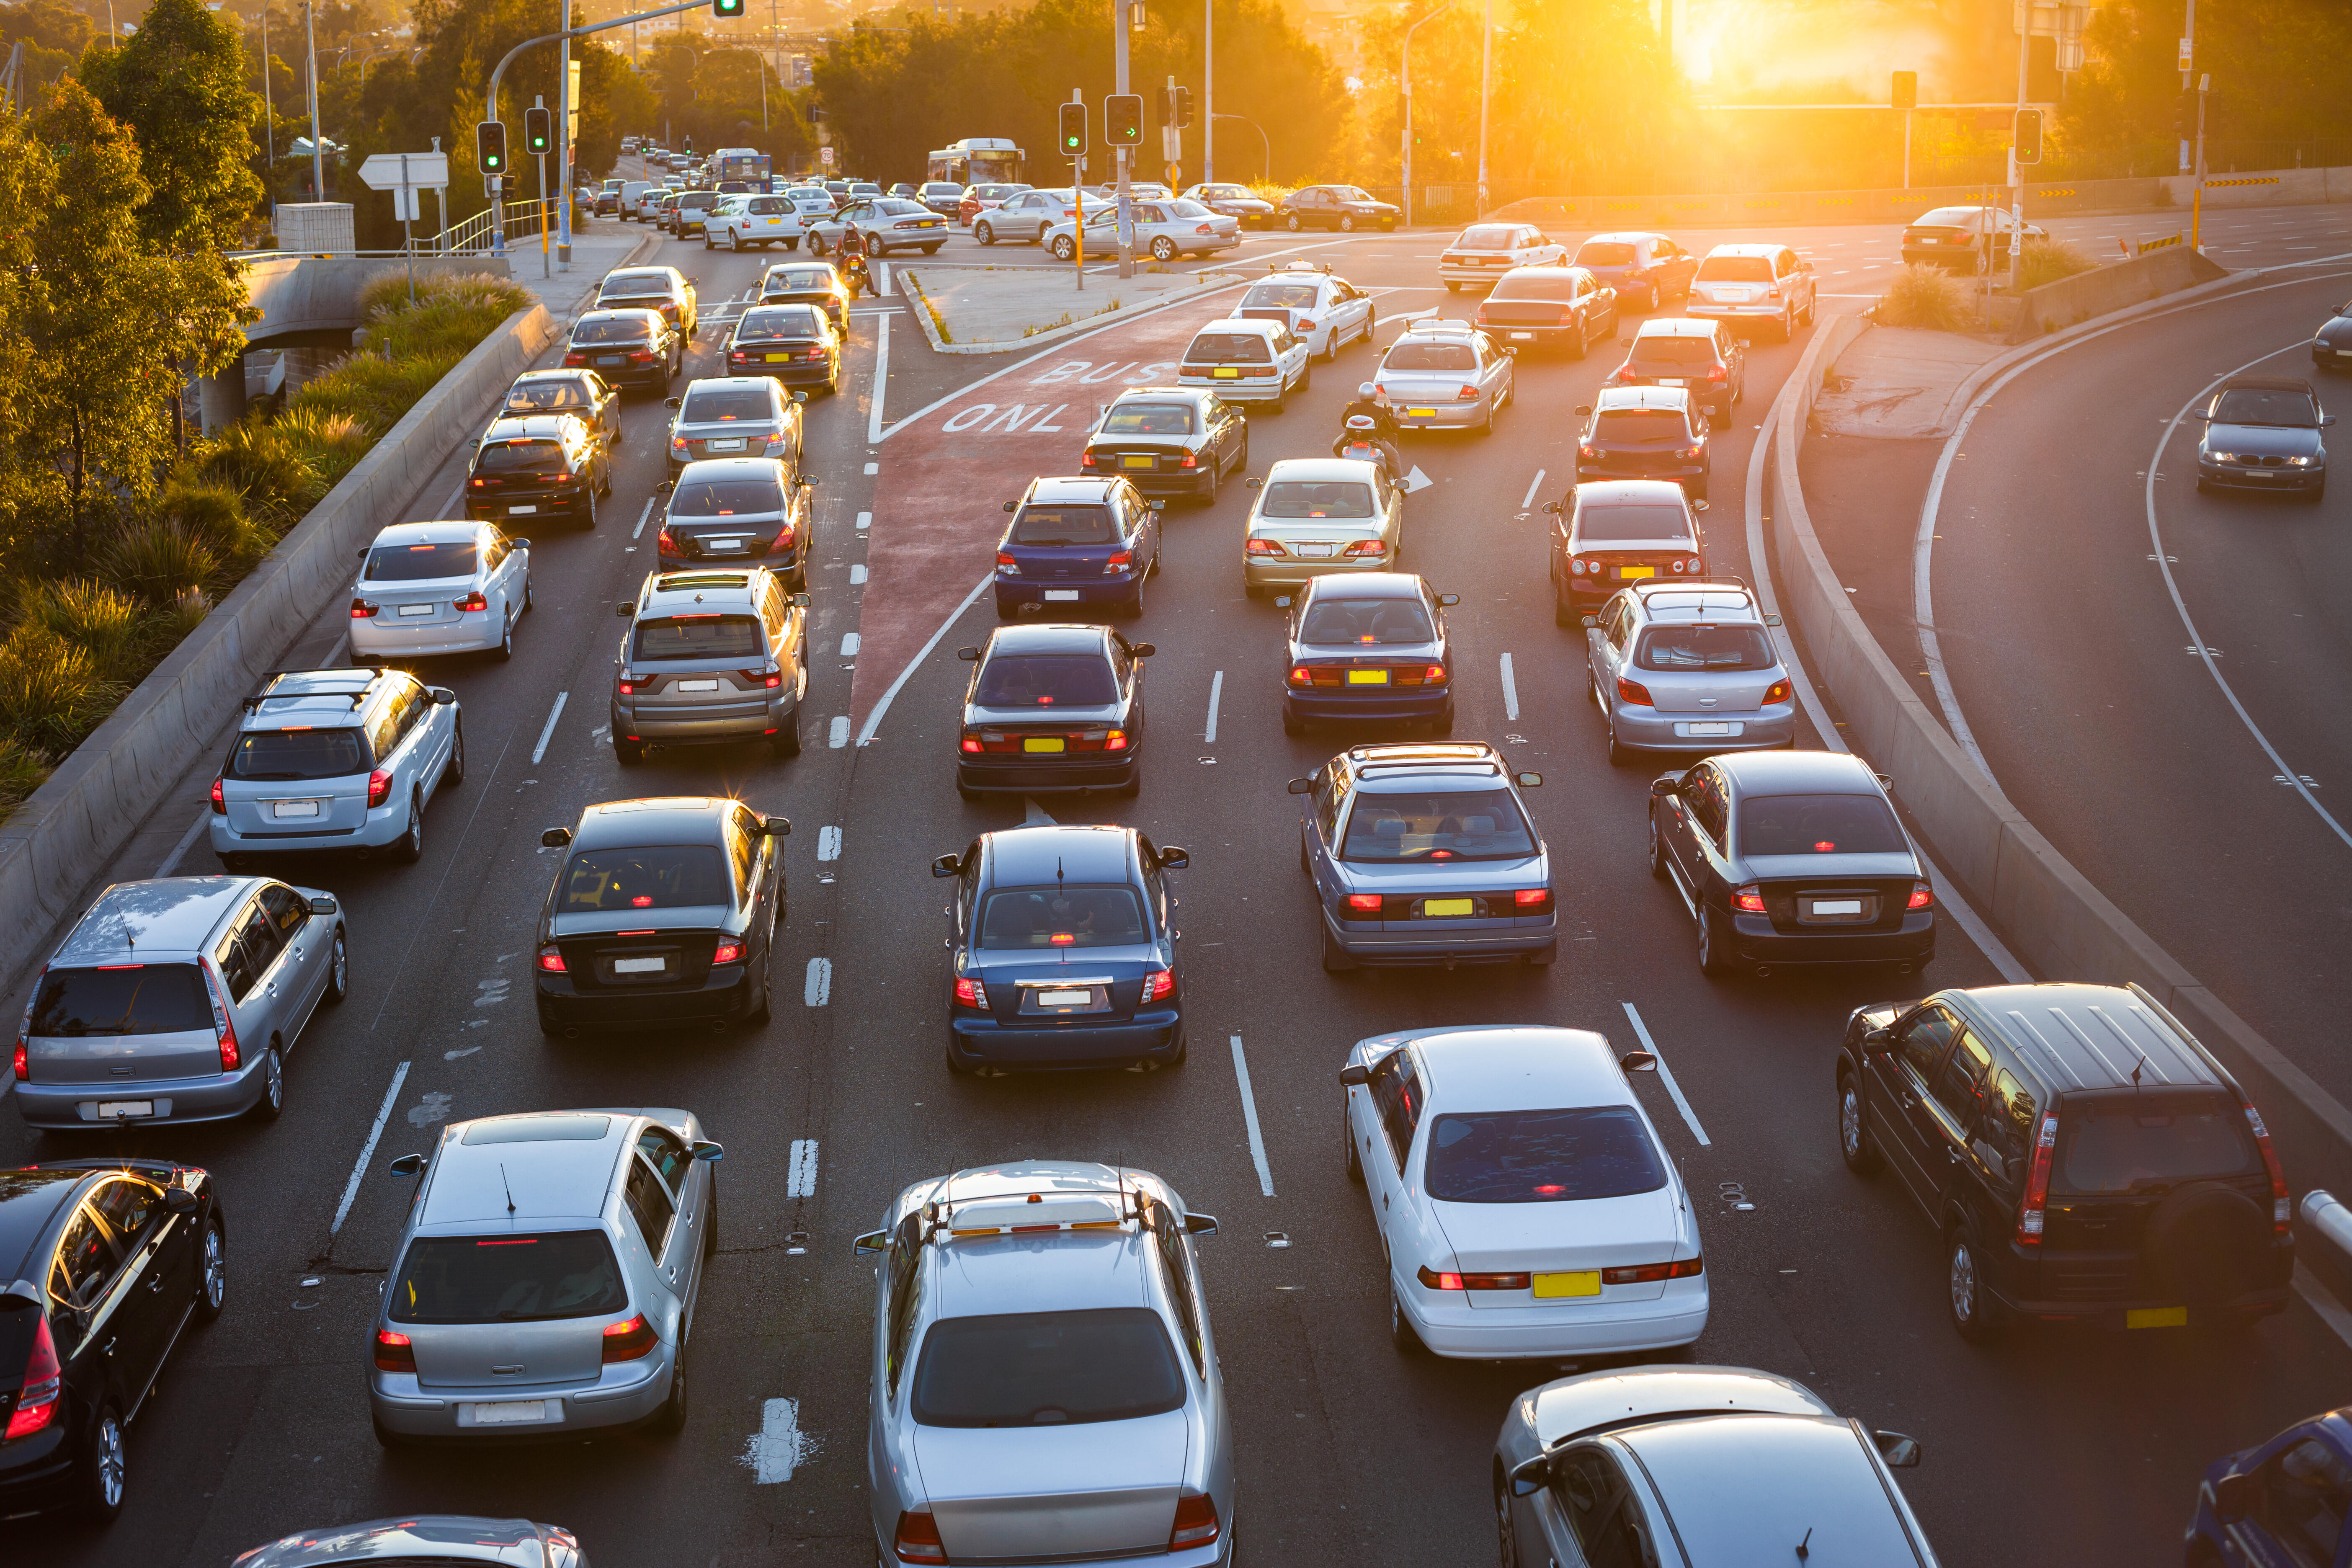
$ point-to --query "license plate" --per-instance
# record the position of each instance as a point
(777, 359)
(1368, 678)
(1045, 743)
(1632, 571)
(1837, 906)
(2137, 1318)
(108, 1110)
(1063, 596)
(1706, 729)
(509, 1411)
(1423, 413)
(639, 965)
(1669, 381)
(522, 511)
(1552, 1287)
(1222, 374)
(285, 809)
(1145, 462)
(1064, 998)
(418, 609)
(608, 358)
(735, 445)
(722, 544)
(1523, 336)
(1439, 909)
(697, 686)
(2344, 353)
(1312, 552)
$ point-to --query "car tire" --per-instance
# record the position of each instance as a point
(506, 639)
(102, 1478)
(1855, 1145)
(1337, 960)
(763, 1006)
(1305, 376)
(1714, 959)
(1292, 724)
(670, 1419)
(1563, 614)
(1657, 849)
(1164, 249)
(1347, 223)
(983, 233)
(1506, 1543)
(409, 848)
(588, 512)
(1347, 1137)
(271, 1104)
(1401, 1330)
(1007, 611)
(734, 240)
(1452, 286)
(1372, 320)
(706, 239)
(1209, 491)
(1281, 400)
(1583, 337)
(1618, 755)
(629, 754)
(786, 741)
(710, 1223)
(1973, 1314)
(339, 971)
(1063, 249)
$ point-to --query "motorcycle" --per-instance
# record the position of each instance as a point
(1359, 443)
(854, 273)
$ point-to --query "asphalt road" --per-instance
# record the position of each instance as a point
(2084, 1445)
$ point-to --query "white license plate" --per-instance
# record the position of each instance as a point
(1312, 552)
(522, 511)
(1064, 595)
(1668, 380)
(1837, 906)
(509, 1411)
(418, 609)
(722, 544)
(735, 445)
(697, 686)
(108, 1110)
(1708, 728)
(608, 358)
(284, 808)
(639, 965)
(1064, 998)
(1525, 336)
(2344, 353)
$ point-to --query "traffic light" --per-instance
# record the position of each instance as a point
(727, 7)
(1123, 119)
(2029, 136)
(538, 131)
(1907, 89)
(1176, 107)
(491, 146)
(689, 144)
(1074, 131)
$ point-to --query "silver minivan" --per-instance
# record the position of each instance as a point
(710, 657)
(544, 1285)
(178, 1000)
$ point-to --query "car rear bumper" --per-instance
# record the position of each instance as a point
(502, 511)
(1012, 592)
(1449, 274)
(38, 1472)
(214, 1096)
(682, 729)
(2136, 1314)
(1264, 390)
(1450, 414)
(478, 631)
(1025, 774)
(385, 824)
(1763, 310)
(400, 1404)
(1647, 729)
(1439, 945)
(1194, 481)
(1753, 940)
(801, 373)
(1280, 571)
(724, 993)
(1152, 1034)
(1504, 1333)
(1373, 705)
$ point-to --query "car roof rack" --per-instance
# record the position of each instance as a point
(357, 694)
(1720, 580)
(1298, 267)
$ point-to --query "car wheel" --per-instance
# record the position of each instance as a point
(1854, 1142)
(1209, 491)
(982, 233)
(1583, 338)
(816, 245)
(1452, 286)
(212, 1272)
(734, 240)
(670, 1419)
(1063, 248)
(1618, 755)
(339, 970)
(1371, 318)
(1972, 1311)
(762, 1007)
(1347, 223)
(272, 1103)
(1657, 848)
(1347, 1137)
(505, 649)
(1335, 959)
(104, 1469)
(1164, 249)
(410, 846)
(706, 239)
(1712, 960)
(629, 753)
(786, 741)
(1401, 1330)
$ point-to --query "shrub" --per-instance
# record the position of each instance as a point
(100, 621)
(156, 560)
(2048, 260)
(22, 770)
(254, 460)
(214, 513)
(329, 443)
(371, 393)
(1928, 297)
(51, 694)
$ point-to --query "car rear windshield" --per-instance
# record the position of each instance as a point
(1281, 297)
(1735, 270)
(612, 332)
(801, 278)
(1542, 1156)
(2264, 405)
(1229, 348)
(646, 877)
(1626, 524)
(1442, 825)
(120, 999)
(1046, 680)
(2132, 1140)
(1064, 525)
(1545, 285)
(1050, 918)
(726, 498)
(1488, 236)
(711, 405)
(1643, 425)
(534, 396)
(516, 457)
(1819, 825)
(1604, 253)
(697, 637)
(1431, 356)
(1714, 648)
(1047, 1369)
(767, 205)
(1367, 622)
(416, 563)
(1149, 419)
(638, 283)
(284, 755)
(698, 200)
(1674, 349)
(508, 1278)
(941, 188)
(1947, 218)
(792, 322)
(1316, 498)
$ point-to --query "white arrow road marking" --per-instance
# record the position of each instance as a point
(849, 641)
(819, 989)
(837, 733)
(1510, 690)
(774, 1452)
(802, 1181)
(1417, 480)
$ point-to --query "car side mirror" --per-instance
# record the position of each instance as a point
(442, 696)
(1142, 650)
(179, 1200)
(2327, 419)
(1012, 506)
(519, 543)
(969, 655)
(1551, 508)
(799, 395)
(1174, 857)
(1584, 410)
(1300, 786)
(320, 904)
(1900, 1450)
(1200, 1225)
(1530, 781)
(777, 828)
(408, 1165)
(873, 1244)
(2233, 1496)
(1511, 349)
(1590, 621)
(707, 1150)
(672, 403)
(1282, 601)
(809, 481)
(946, 866)
(1878, 1042)
(364, 551)
(1660, 789)
(1638, 1061)
(1449, 600)
(624, 609)
(1255, 482)
(1355, 1074)
(1530, 1477)
(556, 837)
(1161, 505)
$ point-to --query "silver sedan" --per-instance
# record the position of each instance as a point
(1446, 376)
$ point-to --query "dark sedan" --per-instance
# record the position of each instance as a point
(665, 911)
(1368, 648)
(1342, 207)
(796, 344)
(569, 391)
(1064, 951)
(1707, 357)
(555, 463)
(1953, 238)
(808, 283)
(1052, 708)
(1646, 432)
(1169, 441)
(1236, 202)
(2261, 433)
(736, 511)
(2331, 346)
(663, 289)
(1549, 306)
(628, 348)
(109, 1260)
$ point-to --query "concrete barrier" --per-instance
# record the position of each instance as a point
(96, 798)
(2071, 301)
(308, 295)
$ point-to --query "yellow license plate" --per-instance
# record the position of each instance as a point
(1225, 374)
(2156, 1318)
(1135, 462)
(1368, 678)
(1637, 571)
(1434, 908)
(1035, 744)
(777, 359)
(1422, 412)
(1554, 1287)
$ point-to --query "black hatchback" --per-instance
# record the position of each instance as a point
(1369, 647)
(1646, 432)
(1052, 708)
(796, 344)
(555, 464)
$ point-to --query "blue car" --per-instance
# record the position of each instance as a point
(1063, 952)
(1076, 545)
(1368, 649)
(2286, 1503)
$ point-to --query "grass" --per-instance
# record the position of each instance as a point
(2048, 260)
(1928, 297)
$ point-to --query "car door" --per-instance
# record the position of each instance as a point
(1604, 643)
(607, 399)
(652, 1208)
(303, 955)
(1697, 850)
(1897, 1080)
(1347, 307)
(249, 956)
(685, 1181)
(156, 1287)
(1327, 805)
(1493, 368)
(1944, 1120)
(2302, 1498)
(85, 1267)
(1392, 1112)
(1592, 1516)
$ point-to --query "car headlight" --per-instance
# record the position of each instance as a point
(2223, 457)
(2302, 462)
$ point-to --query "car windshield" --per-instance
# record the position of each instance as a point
(638, 283)
(2266, 406)
(1674, 349)
(1280, 296)
(1149, 419)
(1488, 236)
(304, 754)
(1229, 348)
(1064, 525)
(941, 188)
(1624, 524)
(1819, 825)
(1735, 270)
(532, 454)
(530, 397)
(708, 636)
(1047, 1369)
(1046, 680)
(415, 562)
(1430, 356)
(797, 321)
(1316, 498)
(508, 1278)
(1438, 825)
(1367, 621)
(1643, 425)
(726, 498)
(1535, 285)
(655, 877)
(1016, 919)
(2135, 1140)
(1604, 253)
(714, 405)
(611, 331)
(1542, 1156)
(120, 999)
(1718, 649)
(797, 279)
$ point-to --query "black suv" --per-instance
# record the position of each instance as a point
(553, 463)
(2083, 1155)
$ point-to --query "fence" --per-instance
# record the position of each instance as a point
(473, 237)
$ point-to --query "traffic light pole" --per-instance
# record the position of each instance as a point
(1124, 224)
(1078, 200)
(544, 270)
(2197, 202)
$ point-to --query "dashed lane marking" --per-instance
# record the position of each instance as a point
(848, 644)
(818, 990)
(800, 1180)
(1217, 691)
(545, 734)
(1666, 1075)
(1249, 1117)
(1510, 690)
(836, 734)
(828, 843)
(642, 517)
(367, 1149)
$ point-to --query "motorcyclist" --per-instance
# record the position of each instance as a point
(1372, 402)
(852, 251)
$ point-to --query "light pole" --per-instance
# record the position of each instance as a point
(1123, 226)
(2016, 169)
(2188, 61)
(317, 152)
(1404, 76)
(1208, 91)
(1486, 85)
(1268, 146)
(268, 110)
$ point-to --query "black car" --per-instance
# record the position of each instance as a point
(944, 197)
(1052, 708)
(665, 911)
(808, 283)
(1235, 202)
(1169, 441)
(2084, 1157)
(1549, 306)
(1955, 238)
(663, 289)
(1789, 858)
(109, 1260)
(1064, 951)
(1707, 357)
(2331, 346)
(570, 391)
(1369, 648)
(2261, 433)
(556, 462)
(1342, 207)
(796, 344)
(737, 512)
(638, 348)
(1646, 432)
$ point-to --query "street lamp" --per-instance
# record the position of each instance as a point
(1404, 75)
(1253, 125)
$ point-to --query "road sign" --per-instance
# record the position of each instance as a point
(426, 171)
(824, 156)
(408, 204)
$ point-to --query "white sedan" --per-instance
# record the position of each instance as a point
(439, 587)
(1485, 251)
(1166, 228)
(1324, 312)
(1524, 1203)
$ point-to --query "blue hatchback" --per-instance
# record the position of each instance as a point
(1063, 952)
(2286, 1502)
(1369, 648)
(1077, 544)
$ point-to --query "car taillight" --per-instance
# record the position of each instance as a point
(1121, 561)
(918, 1540)
(220, 806)
(642, 356)
(575, 359)
(1196, 1523)
(1923, 897)
(785, 538)
(738, 358)
(1651, 1273)
(1568, 315)
(1260, 547)
(394, 1352)
(379, 788)
(1773, 292)
(1368, 903)
(1635, 692)
(971, 741)
(1468, 393)
(361, 610)
(224, 1027)
(1190, 461)
(2037, 1182)
(1434, 675)
(1588, 452)
(662, 541)
(767, 679)
(1158, 984)
(1694, 451)
(473, 601)
(678, 443)
(1625, 372)
(628, 688)
(1006, 564)
(1363, 547)
(1677, 563)
(1447, 1279)
(2282, 1207)
(550, 961)
(970, 993)
(728, 953)
(1301, 675)
(1695, 565)
(669, 308)
(1747, 899)
(1718, 373)
(1778, 691)
(37, 1402)
(1085, 459)
(24, 1067)
(1531, 901)
(628, 1340)
(1114, 739)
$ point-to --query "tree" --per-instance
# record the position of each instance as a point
(2276, 66)
(179, 86)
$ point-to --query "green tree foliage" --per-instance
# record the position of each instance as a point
(53, 36)
(711, 92)
(178, 84)
(2277, 68)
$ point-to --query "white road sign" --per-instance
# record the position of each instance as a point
(426, 171)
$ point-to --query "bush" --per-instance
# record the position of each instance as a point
(2048, 260)
(21, 773)
(1927, 296)
(215, 514)
(51, 694)
(156, 560)
(371, 393)
(256, 460)
(101, 621)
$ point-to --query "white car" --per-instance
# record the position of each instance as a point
(1766, 284)
(1304, 295)
(1246, 361)
(1165, 228)
(649, 201)
(439, 587)
(741, 220)
(1526, 1206)
(1485, 251)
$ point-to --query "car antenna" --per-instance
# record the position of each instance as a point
(1801, 1552)
(2139, 1067)
(508, 1185)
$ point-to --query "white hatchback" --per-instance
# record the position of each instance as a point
(439, 587)
(1246, 361)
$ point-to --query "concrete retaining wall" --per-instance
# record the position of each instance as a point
(298, 294)
(2070, 300)
(74, 824)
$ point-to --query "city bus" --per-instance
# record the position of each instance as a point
(977, 161)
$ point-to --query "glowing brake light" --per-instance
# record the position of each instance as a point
(970, 993)
(550, 961)
(917, 1539)
(1531, 901)
(1923, 897)
(2037, 1182)
(628, 1340)
(970, 741)
(1121, 561)
(1633, 692)
(1302, 675)
(1747, 900)
(471, 602)
(1651, 1273)
(1778, 691)
(1467, 394)
(768, 679)
(663, 542)
(1158, 984)
(1085, 459)
(379, 788)
(1369, 903)
(728, 953)
(220, 806)
(361, 610)
(37, 1402)
(394, 1352)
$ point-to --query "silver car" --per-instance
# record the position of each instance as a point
(1691, 1466)
(1447, 376)
(545, 1282)
(336, 759)
(444, 1539)
(1321, 517)
(735, 416)
(1688, 667)
(178, 1000)
(711, 657)
(1045, 1384)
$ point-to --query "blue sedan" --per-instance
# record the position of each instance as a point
(1077, 544)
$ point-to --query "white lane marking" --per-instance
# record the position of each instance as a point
(818, 991)
(882, 278)
(874, 720)
(872, 468)
(1417, 480)
(836, 734)
(1034, 815)
(1249, 1115)
(557, 712)
(882, 377)
(367, 1149)
(187, 841)
(828, 843)
(1533, 485)
(1510, 690)
(1666, 1076)
(865, 520)
(849, 641)
(800, 1180)
(856, 575)
(642, 518)
(1217, 691)
(772, 1453)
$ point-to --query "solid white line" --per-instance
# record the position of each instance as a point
(1034, 814)
(1510, 690)
(187, 841)
(1533, 485)
(541, 750)
(1217, 691)
(874, 431)
(642, 517)
(818, 990)
(801, 1181)
(1666, 1076)
(882, 278)
(367, 1149)
(1249, 1115)
(874, 720)
(857, 574)
(828, 843)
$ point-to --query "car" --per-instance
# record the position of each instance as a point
(1080, 542)
(733, 512)
(1051, 706)
(1368, 649)
(628, 348)
(1549, 306)
(883, 224)
(445, 1540)
(1169, 440)
(711, 656)
(1483, 251)
(864, 190)
(1955, 237)
(428, 588)
(336, 759)
(1786, 858)
(795, 346)
(811, 204)
(1342, 207)
(1687, 667)
(1644, 433)
(944, 197)
(735, 416)
(1235, 202)
(1768, 285)
(817, 283)
(1247, 361)
(546, 1278)
(1707, 357)
(1605, 541)
(1320, 517)
(2331, 345)
(666, 208)
(1697, 1465)
(538, 465)
(693, 210)
(2285, 1500)
(1063, 951)
(1445, 375)
(607, 198)
(1166, 228)
(978, 199)
(2262, 433)
(1031, 215)
(752, 219)
(109, 1260)
(1645, 268)
(572, 390)
(663, 289)
(838, 190)
(1426, 856)
(2082, 1154)
(647, 207)
(1044, 1384)
(178, 1000)
(1321, 310)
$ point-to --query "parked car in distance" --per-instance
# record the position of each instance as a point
(711, 656)
(1169, 440)
(2286, 1500)
(1342, 207)
(1645, 268)
(446, 1540)
(1706, 357)
(430, 588)
(336, 759)
(1052, 706)
(1549, 306)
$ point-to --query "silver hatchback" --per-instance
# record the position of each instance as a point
(710, 657)
(1447, 376)
(544, 1285)
(1045, 1384)
(1688, 667)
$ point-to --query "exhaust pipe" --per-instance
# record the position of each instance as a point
(571, 1034)
(1902, 969)
(1763, 971)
